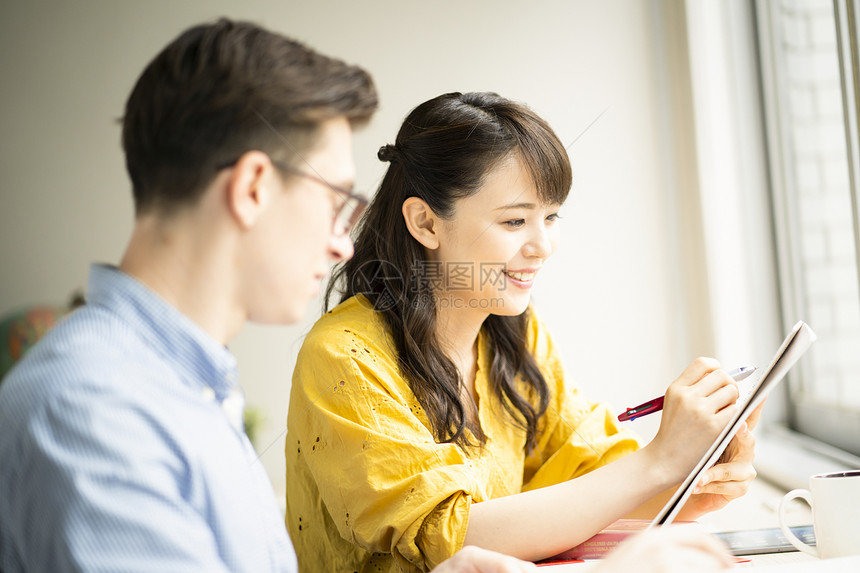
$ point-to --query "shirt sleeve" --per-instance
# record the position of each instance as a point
(384, 481)
(81, 502)
(576, 435)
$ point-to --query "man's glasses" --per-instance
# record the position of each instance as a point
(345, 216)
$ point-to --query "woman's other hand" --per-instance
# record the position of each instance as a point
(730, 477)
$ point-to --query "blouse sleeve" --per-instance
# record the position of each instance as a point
(576, 435)
(385, 482)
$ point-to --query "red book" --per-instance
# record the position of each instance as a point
(605, 541)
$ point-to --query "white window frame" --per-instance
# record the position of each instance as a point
(738, 168)
(837, 427)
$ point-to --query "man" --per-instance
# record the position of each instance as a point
(122, 445)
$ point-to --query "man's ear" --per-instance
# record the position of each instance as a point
(250, 187)
(421, 221)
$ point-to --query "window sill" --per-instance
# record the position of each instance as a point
(788, 459)
(784, 461)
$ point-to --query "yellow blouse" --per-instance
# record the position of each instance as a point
(369, 489)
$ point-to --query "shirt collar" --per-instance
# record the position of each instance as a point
(198, 358)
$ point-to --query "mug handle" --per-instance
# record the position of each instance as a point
(806, 495)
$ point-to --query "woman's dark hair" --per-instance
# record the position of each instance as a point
(442, 153)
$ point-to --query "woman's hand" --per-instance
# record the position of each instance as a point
(730, 477)
(697, 407)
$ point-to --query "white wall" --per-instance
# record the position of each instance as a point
(617, 295)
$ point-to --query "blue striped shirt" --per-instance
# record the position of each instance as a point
(117, 455)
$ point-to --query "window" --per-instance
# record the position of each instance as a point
(808, 49)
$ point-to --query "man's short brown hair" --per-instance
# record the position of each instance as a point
(221, 89)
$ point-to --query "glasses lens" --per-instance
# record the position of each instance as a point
(349, 214)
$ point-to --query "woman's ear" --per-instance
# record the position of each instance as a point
(421, 222)
(250, 187)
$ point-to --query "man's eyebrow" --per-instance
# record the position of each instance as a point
(516, 206)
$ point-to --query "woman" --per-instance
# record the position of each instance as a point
(429, 409)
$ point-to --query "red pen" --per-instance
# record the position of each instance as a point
(656, 404)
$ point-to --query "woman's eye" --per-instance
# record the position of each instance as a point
(553, 218)
(515, 223)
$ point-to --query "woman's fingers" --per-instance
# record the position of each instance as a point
(698, 406)
(688, 398)
(732, 477)
(741, 448)
(724, 478)
(728, 489)
(716, 387)
(742, 445)
(753, 418)
(698, 369)
(714, 382)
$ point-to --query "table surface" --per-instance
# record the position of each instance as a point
(793, 562)
(756, 510)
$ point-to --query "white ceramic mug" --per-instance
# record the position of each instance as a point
(835, 502)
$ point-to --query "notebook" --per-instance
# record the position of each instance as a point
(795, 344)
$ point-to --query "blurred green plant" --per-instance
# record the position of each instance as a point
(254, 421)
(21, 329)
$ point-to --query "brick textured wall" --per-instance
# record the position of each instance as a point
(824, 235)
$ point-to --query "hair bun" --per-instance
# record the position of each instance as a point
(387, 152)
